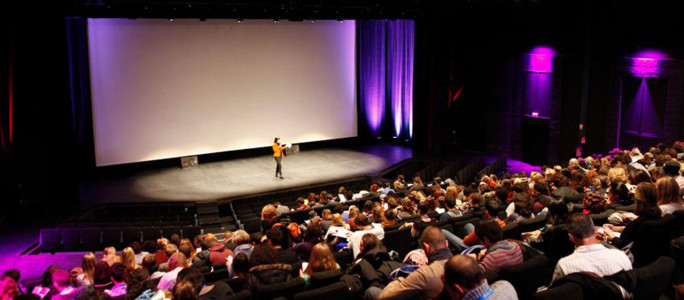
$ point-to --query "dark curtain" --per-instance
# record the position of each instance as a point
(79, 87)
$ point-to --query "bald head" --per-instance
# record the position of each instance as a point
(464, 271)
(433, 237)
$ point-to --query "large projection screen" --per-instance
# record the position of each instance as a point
(165, 89)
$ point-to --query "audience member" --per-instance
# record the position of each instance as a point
(498, 252)
(241, 240)
(118, 289)
(138, 252)
(590, 255)
(276, 239)
(667, 191)
(364, 226)
(464, 280)
(177, 262)
(103, 280)
(60, 281)
(205, 291)
(646, 209)
(426, 280)
(321, 260)
(266, 267)
(88, 265)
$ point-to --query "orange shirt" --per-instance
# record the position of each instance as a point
(277, 150)
(472, 239)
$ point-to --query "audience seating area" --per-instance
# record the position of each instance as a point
(656, 256)
(121, 224)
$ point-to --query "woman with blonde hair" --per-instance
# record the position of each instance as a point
(88, 265)
(321, 260)
(109, 256)
(353, 213)
(269, 215)
(128, 259)
(338, 225)
(667, 192)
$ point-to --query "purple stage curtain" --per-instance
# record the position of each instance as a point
(386, 76)
(371, 43)
(400, 77)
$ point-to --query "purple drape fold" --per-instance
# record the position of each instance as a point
(371, 40)
(386, 50)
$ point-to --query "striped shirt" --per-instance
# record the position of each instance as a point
(501, 254)
(594, 258)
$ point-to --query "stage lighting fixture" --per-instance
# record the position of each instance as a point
(312, 20)
(240, 20)
(171, 19)
(276, 20)
(340, 20)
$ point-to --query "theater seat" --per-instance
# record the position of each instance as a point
(321, 279)
(653, 279)
(71, 239)
(532, 224)
(243, 295)
(49, 240)
(335, 291)
(568, 291)
(602, 218)
(398, 240)
(511, 231)
(528, 276)
(652, 240)
(286, 289)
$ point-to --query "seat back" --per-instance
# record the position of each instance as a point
(91, 238)
(335, 291)
(568, 291)
(49, 240)
(321, 279)
(243, 295)
(653, 279)
(71, 239)
(528, 276)
(286, 289)
(215, 276)
(602, 218)
(678, 228)
(190, 232)
(151, 233)
(111, 237)
(511, 231)
(532, 224)
(652, 240)
(398, 240)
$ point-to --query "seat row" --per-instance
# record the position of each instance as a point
(95, 238)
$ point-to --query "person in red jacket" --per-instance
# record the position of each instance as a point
(218, 253)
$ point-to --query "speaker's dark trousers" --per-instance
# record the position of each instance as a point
(279, 168)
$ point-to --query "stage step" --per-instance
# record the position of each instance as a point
(209, 221)
(219, 228)
(207, 209)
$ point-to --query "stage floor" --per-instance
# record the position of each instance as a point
(236, 177)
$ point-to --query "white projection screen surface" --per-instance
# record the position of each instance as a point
(163, 89)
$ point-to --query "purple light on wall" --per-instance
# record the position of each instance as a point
(400, 75)
(646, 64)
(541, 59)
(538, 82)
(372, 72)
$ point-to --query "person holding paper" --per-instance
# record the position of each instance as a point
(278, 156)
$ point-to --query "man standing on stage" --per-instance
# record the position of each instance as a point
(277, 154)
